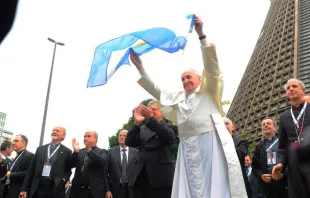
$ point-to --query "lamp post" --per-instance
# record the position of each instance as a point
(48, 90)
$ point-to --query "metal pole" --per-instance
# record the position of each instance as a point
(48, 92)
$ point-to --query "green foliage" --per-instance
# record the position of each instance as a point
(252, 145)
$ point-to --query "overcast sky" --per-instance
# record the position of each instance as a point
(26, 54)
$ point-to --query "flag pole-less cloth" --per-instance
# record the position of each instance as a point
(154, 38)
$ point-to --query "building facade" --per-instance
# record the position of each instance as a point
(4, 134)
(282, 52)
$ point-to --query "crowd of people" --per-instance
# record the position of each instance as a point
(212, 161)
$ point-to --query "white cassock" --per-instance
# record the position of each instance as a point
(207, 163)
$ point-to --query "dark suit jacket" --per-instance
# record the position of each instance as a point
(3, 169)
(97, 171)
(115, 169)
(241, 146)
(260, 167)
(287, 133)
(154, 141)
(60, 169)
(255, 186)
(19, 171)
(8, 163)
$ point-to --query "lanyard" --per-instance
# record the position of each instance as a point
(268, 149)
(16, 161)
(49, 155)
(299, 116)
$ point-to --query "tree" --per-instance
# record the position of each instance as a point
(252, 146)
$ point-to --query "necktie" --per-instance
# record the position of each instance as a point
(124, 178)
(247, 171)
(85, 162)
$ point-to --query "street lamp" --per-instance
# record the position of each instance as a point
(48, 89)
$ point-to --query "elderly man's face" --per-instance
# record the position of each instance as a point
(293, 90)
(190, 81)
(229, 126)
(122, 137)
(156, 111)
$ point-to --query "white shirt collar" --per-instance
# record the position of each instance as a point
(125, 148)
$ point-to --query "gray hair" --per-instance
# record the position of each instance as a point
(154, 102)
(225, 118)
(301, 84)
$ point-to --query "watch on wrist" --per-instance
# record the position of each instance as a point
(202, 37)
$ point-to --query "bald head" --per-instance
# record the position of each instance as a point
(58, 134)
(90, 138)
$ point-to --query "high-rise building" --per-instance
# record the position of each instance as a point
(4, 134)
(2, 120)
(282, 52)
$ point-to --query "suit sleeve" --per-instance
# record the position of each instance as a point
(20, 175)
(211, 79)
(133, 137)
(242, 149)
(108, 158)
(101, 160)
(256, 165)
(283, 145)
(167, 132)
(30, 174)
(3, 169)
(73, 159)
(68, 171)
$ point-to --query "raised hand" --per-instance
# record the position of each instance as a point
(75, 145)
(138, 118)
(277, 172)
(199, 26)
(136, 60)
(146, 112)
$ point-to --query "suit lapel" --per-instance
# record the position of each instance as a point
(130, 152)
(59, 154)
(118, 154)
(17, 161)
(43, 155)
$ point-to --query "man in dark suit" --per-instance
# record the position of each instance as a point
(18, 168)
(49, 169)
(241, 146)
(257, 191)
(122, 160)
(265, 159)
(3, 167)
(155, 168)
(5, 151)
(90, 178)
(293, 126)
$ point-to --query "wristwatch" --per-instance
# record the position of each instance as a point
(202, 37)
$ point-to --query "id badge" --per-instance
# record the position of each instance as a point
(46, 170)
(271, 158)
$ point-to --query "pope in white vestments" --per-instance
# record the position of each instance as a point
(207, 164)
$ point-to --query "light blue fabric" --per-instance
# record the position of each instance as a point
(160, 38)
